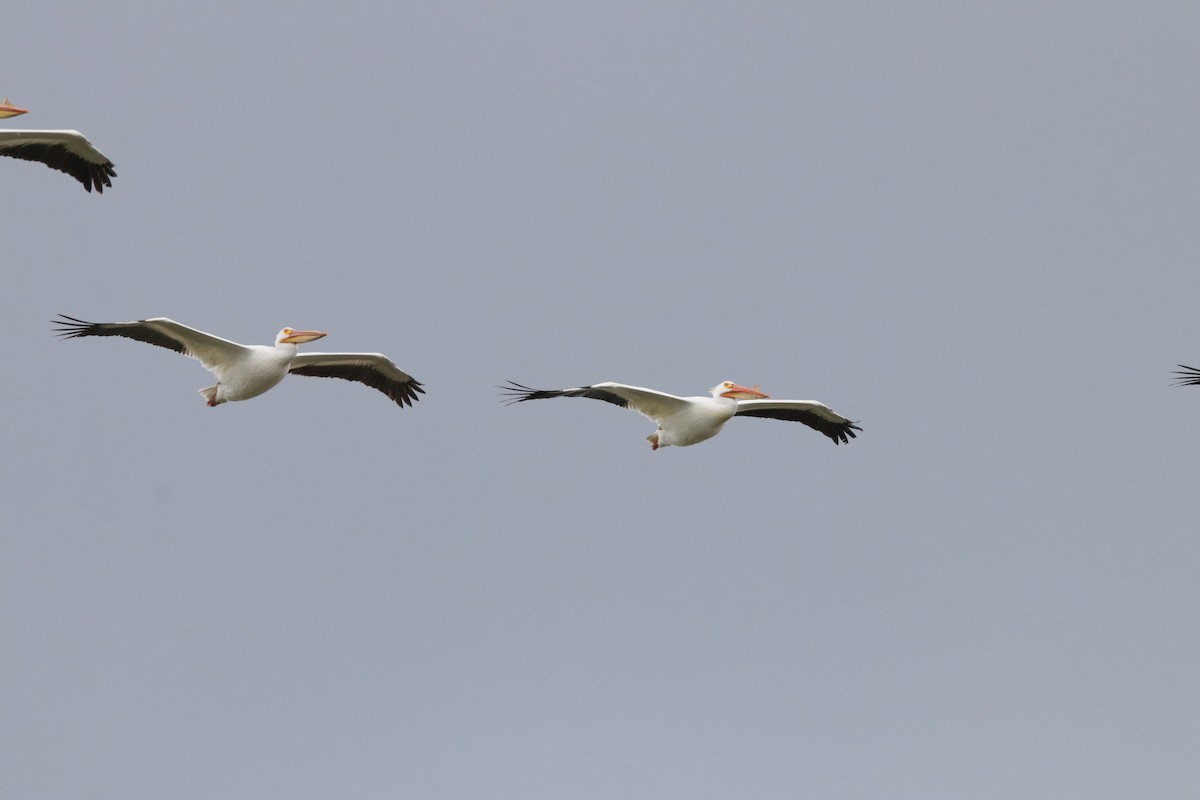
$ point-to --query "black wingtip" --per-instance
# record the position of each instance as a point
(70, 327)
(410, 392)
(1186, 376)
(516, 393)
(846, 433)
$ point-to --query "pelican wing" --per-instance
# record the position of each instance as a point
(211, 351)
(647, 402)
(65, 151)
(817, 416)
(373, 369)
(1187, 376)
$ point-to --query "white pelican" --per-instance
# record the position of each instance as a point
(689, 420)
(245, 371)
(65, 151)
(1187, 376)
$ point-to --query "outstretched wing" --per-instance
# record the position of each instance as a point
(65, 151)
(373, 369)
(211, 351)
(647, 402)
(817, 416)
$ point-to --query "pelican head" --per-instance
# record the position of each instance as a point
(735, 392)
(292, 336)
(7, 109)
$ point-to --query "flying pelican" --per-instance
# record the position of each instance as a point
(245, 371)
(65, 151)
(1187, 376)
(689, 420)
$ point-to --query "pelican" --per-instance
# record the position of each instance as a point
(245, 371)
(689, 420)
(65, 151)
(1187, 376)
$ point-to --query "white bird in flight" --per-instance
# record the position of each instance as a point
(245, 371)
(688, 420)
(65, 151)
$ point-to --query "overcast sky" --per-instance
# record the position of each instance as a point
(971, 227)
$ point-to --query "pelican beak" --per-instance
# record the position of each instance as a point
(300, 337)
(737, 392)
(7, 109)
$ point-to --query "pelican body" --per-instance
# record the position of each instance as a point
(256, 368)
(684, 421)
(246, 371)
(65, 151)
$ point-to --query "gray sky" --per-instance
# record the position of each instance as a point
(972, 227)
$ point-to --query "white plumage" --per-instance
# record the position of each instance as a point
(684, 421)
(245, 371)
